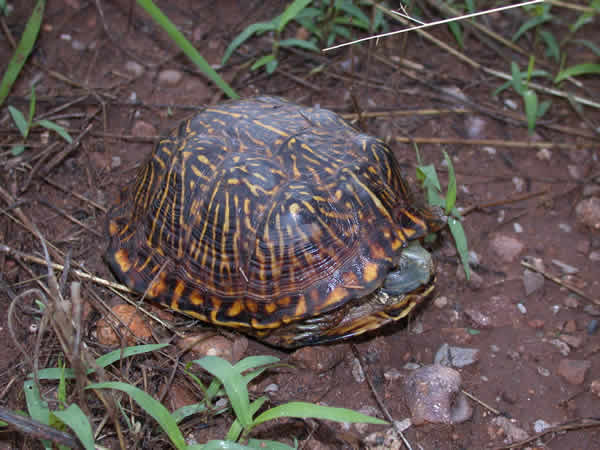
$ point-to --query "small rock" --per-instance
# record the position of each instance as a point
(540, 425)
(357, 371)
(169, 77)
(392, 374)
(574, 370)
(555, 309)
(411, 366)
(78, 45)
(544, 154)
(134, 68)
(574, 171)
(475, 126)
(205, 344)
(271, 388)
(519, 184)
(594, 256)
(566, 268)
(592, 310)
(532, 281)
(572, 341)
(489, 150)
(143, 129)
(536, 324)
(517, 227)
(494, 348)
(587, 212)
(506, 247)
(433, 395)
(441, 302)
(509, 397)
(388, 440)
(511, 104)
(521, 307)
(543, 371)
(456, 356)
(571, 302)
(315, 358)
(480, 319)
(501, 216)
(562, 347)
(511, 430)
(565, 227)
(595, 387)
(570, 326)
(592, 327)
(115, 162)
(129, 316)
(474, 259)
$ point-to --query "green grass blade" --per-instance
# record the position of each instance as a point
(234, 386)
(75, 419)
(23, 50)
(151, 406)
(516, 78)
(531, 23)
(187, 411)
(552, 47)
(580, 69)
(260, 444)
(103, 361)
(37, 407)
(221, 445)
(291, 12)
(357, 15)
(456, 30)
(56, 127)
(460, 239)
(19, 120)
(18, 149)
(531, 108)
(255, 28)
(31, 107)
(186, 46)
(589, 44)
(263, 61)
(306, 45)
(303, 410)
(451, 194)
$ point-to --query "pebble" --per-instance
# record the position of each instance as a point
(511, 430)
(392, 374)
(271, 388)
(441, 302)
(456, 356)
(544, 154)
(475, 126)
(566, 268)
(517, 227)
(433, 395)
(479, 318)
(519, 184)
(474, 259)
(565, 227)
(501, 216)
(543, 371)
(570, 326)
(388, 440)
(506, 247)
(489, 150)
(555, 309)
(115, 162)
(587, 212)
(574, 370)
(562, 347)
(494, 348)
(411, 366)
(532, 281)
(594, 256)
(592, 327)
(78, 45)
(571, 302)
(521, 307)
(510, 104)
(574, 171)
(357, 371)
(134, 68)
(572, 341)
(540, 425)
(170, 77)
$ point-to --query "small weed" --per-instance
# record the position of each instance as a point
(324, 20)
(427, 175)
(25, 125)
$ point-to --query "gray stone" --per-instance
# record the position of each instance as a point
(169, 77)
(532, 281)
(587, 212)
(506, 247)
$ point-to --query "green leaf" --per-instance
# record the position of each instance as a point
(358, 17)
(271, 66)
(552, 47)
(102, 361)
(189, 410)
(23, 50)
(18, 149)
(291, 12)
(582, 20)
(31, 106)
(460, 239)
(75, 419)
(451, 193)
(55, 127)
(234, 386)
(456, 30)
(306, 45)
(152, 407)
(580, 69)
(531, 23)
(222, 445)
(543, 108)
(262, 61)
(36, 407)
(531, 108)
(255, 28)
(516, 78)
(303, 410)
(185, 46)
(236, 427)
(589, 44)
(19, 120)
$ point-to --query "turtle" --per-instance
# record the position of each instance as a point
(278, 220)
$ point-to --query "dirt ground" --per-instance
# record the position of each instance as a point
(101, 75)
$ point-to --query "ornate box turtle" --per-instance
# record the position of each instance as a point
(281, 221)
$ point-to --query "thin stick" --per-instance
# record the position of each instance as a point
(486, 142)
(427, 25)
(560, 282)
(481, 402)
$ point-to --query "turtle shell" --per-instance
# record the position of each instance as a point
(266, 216)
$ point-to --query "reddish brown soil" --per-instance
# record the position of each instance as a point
(517, 370)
